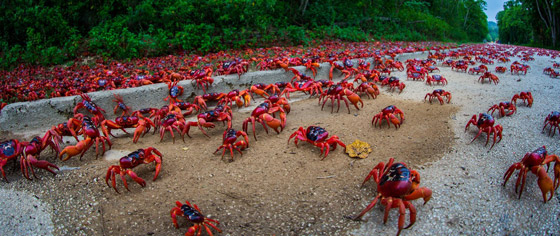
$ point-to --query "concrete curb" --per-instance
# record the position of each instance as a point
(29, 118)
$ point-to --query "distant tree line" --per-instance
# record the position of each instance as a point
(55, 31)
(493, 31)
(534, 22)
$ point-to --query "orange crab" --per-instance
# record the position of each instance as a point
(389, 113)
(535, 161)
(526, 96)
(194, 215)
(126, 163)
(439, 94)
(397, 185)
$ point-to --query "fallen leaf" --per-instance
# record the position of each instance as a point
(358, 149)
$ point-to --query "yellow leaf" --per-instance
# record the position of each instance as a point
(358, 149)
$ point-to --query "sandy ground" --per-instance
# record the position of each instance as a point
(276, 188)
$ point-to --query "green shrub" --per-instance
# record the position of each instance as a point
(113, 38)
(195, 37)
(46, 32)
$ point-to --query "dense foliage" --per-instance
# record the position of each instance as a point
(493, 32)
(51, 32)
(533, 22)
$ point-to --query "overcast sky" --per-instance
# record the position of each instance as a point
(493, 7)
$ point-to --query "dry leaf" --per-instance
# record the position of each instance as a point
(358, 149)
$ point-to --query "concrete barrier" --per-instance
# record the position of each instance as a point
(36, 117)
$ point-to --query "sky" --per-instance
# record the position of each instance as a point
(493, 7)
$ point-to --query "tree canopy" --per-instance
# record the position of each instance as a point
(53, 31)
(530, 22)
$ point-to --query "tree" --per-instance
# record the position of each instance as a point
(512, 23)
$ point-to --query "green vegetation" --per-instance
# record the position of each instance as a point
(493, 32)
(532, 22)
(51, 32)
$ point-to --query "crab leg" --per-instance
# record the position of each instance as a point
(545, 183)
(424, 193)
(369, 207)
(412, 213)
(402, 213)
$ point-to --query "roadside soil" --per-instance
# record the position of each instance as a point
(274, 188)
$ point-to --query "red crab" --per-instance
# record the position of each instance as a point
(307, 86)
(134, 159)
(338, 92)
(527, 98)
(261, 89)
(389, 113)
(439, 94)
(417, 72)
(145, 111)
(120, 105)
(491, 77)
(91, 107)
(385, 70)
(220, 113)
(502, 107)
(91, 134)
(552, 119)
(2, 105)
(486, 61)
(436, 79)
(448, 62)
(527, 58)
(264, 113)
(298, 76)
(366, 75)
(159, 114)
(431, 69)
(393, 83)
(363, 65)
(193, 215)
(202, 78)
(485, 123)
(344, 69)
(187, 106)
(29, 152)
(173, 120)
(503, 59)
(311, 65)
(142, 125)
(63, 130)
(500, 69)
(317, 136)
(517, 67)
(397, 185)
(237, 66)
(276, 100)
(460, 65)
(478, 70)
(548, 71)
(369, 88)
(174, 92)
(229, 138)
(415, 76)
(202, 99)
(241, 98)
(535, 161)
